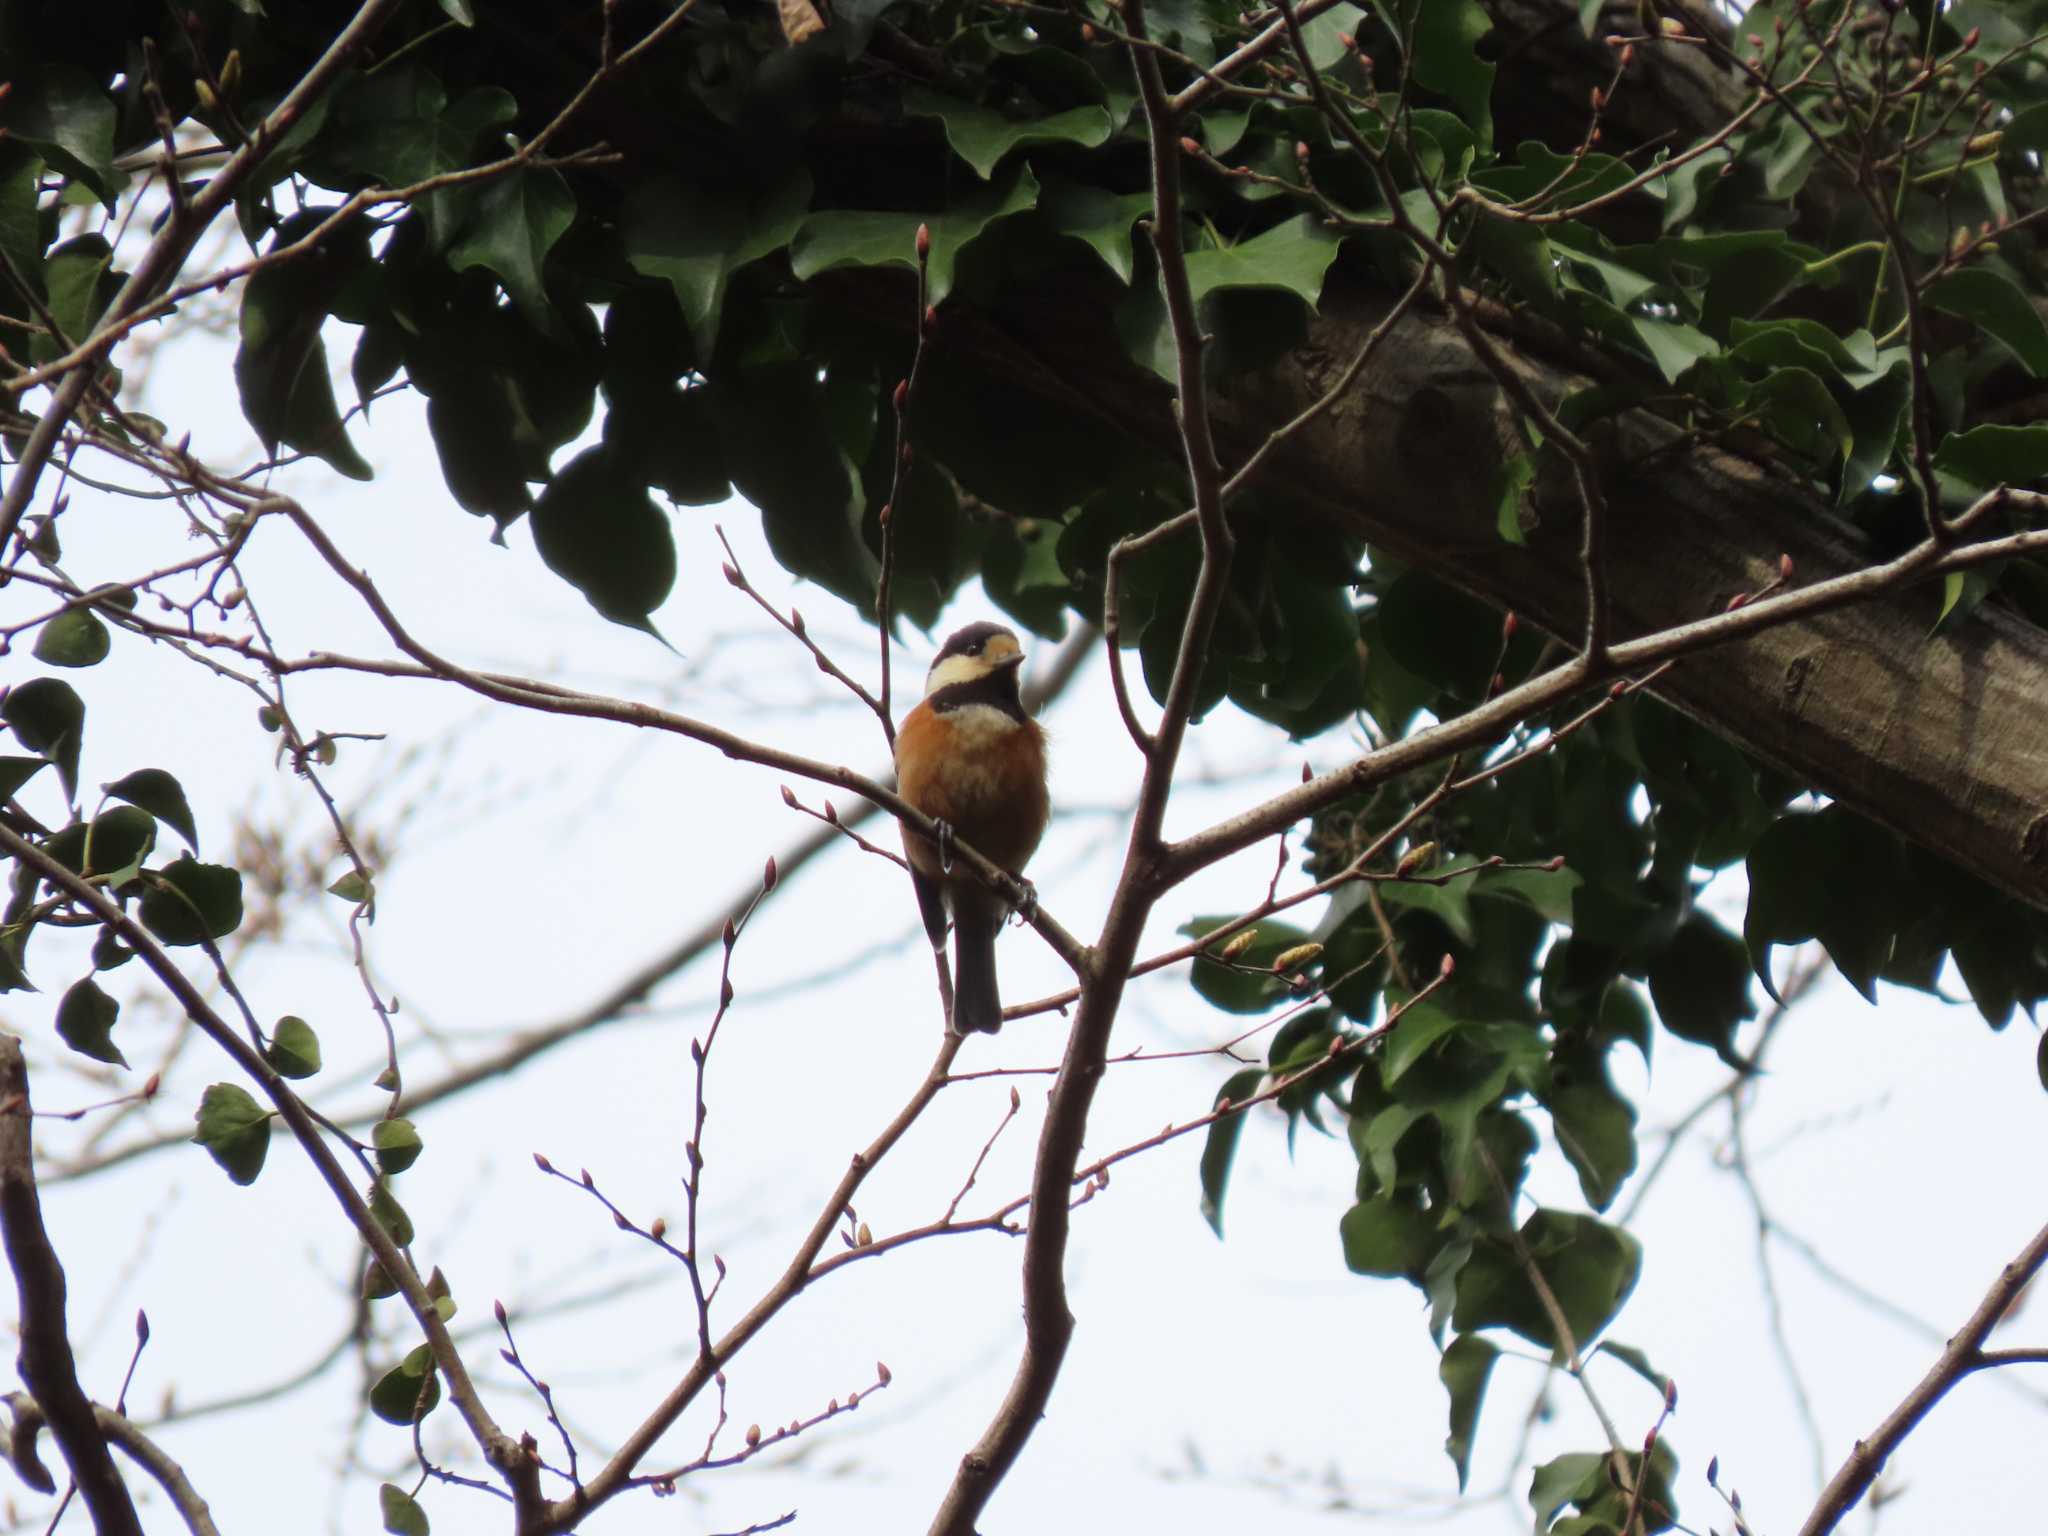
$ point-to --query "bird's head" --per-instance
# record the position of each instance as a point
(973, 654)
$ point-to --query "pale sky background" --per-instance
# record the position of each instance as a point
(1212, 1387)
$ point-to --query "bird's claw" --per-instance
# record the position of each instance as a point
(1026, 905)
(942, 834)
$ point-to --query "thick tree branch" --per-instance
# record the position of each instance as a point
(46, 1364)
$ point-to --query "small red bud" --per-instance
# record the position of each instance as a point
(732, 574)
(924, 242)
(1307, 773)
(659, 1229)
(1449, 965)
(902, 394)
(1650, 1440)
(150, 1086)
(1972, 37)
(1739, 600)
(882, 1373)
(796, 621)
(498, 1311)
(753, 1436)
(931, 319)
(1599, 98)
(1189, 147)
(888, 511)
(832, 813)
(542, 1163)
(1347, 40)
(718, 1264)
(588, 1181)
(789, 797)
(621, 1223)
(1784, 567)
(725, 994)
(1508, 625)
(1499, 682)
(1556, 863)
(1628, 55)
(1016, 1100)
(1670, 1395)
(732, 933)
(141, 1327)
(1087, 31)
(1301, 150)
(769, 875)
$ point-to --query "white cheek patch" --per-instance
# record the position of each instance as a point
(954, 669)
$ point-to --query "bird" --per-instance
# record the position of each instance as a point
(970, 757)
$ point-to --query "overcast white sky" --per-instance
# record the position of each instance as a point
(1213, 1387)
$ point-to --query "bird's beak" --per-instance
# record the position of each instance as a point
(1016, 659)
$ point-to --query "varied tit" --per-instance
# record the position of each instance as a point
(969, 757)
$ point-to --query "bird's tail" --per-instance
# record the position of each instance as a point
(976, 1003)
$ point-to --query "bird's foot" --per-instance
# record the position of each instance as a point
(942, 834)
(1026, 906)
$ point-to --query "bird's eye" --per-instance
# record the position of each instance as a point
(974, 649)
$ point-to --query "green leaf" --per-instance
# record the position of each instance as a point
(857, 238)
(1589, 1267)
(116, 843)
(1447, 35)
(695, 241)
(511, 224)
(351, 887)
(1577, 1478)
(1638, 1362)
(398, 1145)
(1673, 345)
(395, 125)
(281, 362)
(17, 771)
(160, 795)
(1997, 305)
(294, 1050)
(235, 1129)
(1234, 986)
(47, 716)
(188, 902)
(1220, 1147)
(1291, 257)
(64, 112)
(1595, 1126)
(75, 638)
(109, 953)
(1801, 411)
(596, 527)
(1102, 220)
(982, 136)
(1832, 876)
(402, 1516)
(1983, 457)
(1700, 984)
(390, 1214)
(409, 1391)
(85, 1022)
(1386, 1236)
(1464, 1370)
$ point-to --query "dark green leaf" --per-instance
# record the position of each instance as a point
(695, 241)
(598, 530)
(396, 125)
(1447, 61)
(1100, 219)
(75, 638)
(1832, 876)
(1700, 984)
(160, 795)
(1387, 1236)
(1590, 1269)
(1572, 1479)
(47, 716)
(402, 1516)
(1464, 1370)
(509, 225)
(1291, 257)
(1638, 1362)
(982, 136)
(859, 238)
(1595, 1125)
(81, 281)
(409, 1391)
(117, 842)
(64, 112)
(188, 902)
(1983, 457)
(1234, 985)
(281, 362)
(85, 1022)
(17, 771)
(235, 1129)
(1994, 302)
(294, 1049)
(398, 1145)
(109, 953)
(1220, 1148)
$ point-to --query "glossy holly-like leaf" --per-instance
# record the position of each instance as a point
(1100, 219)
(1464, 1369)
(1446, 40)
(85, 1022)
(1995, 303)
(188, 902)
(1219, 1149)
(982, 136)
(597, 528)
(398, 1146)
(397, 125)
(235, 1129)
(294, 1050)
(409, 1391)
(509, 225)
(75, 638)
(47, 716)
(861, 238)
(402, 1513)
(159, 794)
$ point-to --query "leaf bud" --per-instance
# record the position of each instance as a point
(1784, 567)
(1414, 859)
(498, 1311)
(619, 1221)
(542, 1163)
(931, 319)
(150, 1086)
(753, 1436)
(697, 1052)
(862, 1236)
(1650, 1440)
(1087, 31)
(732, 573)
(732, 933)
(1713, 1471)
(1016, 1100)
(769, 875)
(1301, 150)
(789, 797)
(588, 1181)
(1299, 955)
(924, 242)
(1307, 773)
(718, 1264)
(1972, 38)
(832, 813)
(1599, 98)
(1739, 600)
(1189, 147)
(1670, 1395)
(1508, 624)
(882, 1373)
(888, 512)
(901, 396)
(1237, 944)
(1556, 863)
(141, 1327)
(659, 1229)
(1449, 965)
(725, 994)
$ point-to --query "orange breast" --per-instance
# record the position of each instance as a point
(980, 771)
